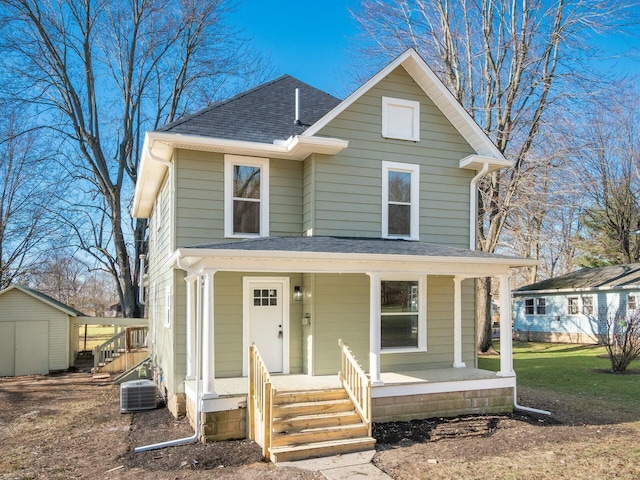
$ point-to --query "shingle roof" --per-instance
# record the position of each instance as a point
(262, 114)
(374, 246)
(615, 276)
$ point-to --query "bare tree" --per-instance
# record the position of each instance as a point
(609, 161)
(26, 188)
(620, 334)
(101, 74)
(509, 64)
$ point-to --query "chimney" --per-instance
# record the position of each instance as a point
(297, 120)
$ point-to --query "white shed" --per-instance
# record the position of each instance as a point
(37, 333)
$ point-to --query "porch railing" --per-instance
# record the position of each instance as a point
(260, 401)
(356, 383)
(131, 338)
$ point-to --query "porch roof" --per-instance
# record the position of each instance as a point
(320, 254)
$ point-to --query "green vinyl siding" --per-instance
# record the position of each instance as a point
(340, 311)
(439, 352)
(200, 198)
(348, 186)
(228, 314)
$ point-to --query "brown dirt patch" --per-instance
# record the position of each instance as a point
(69, 426)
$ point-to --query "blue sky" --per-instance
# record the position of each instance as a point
(311, 40)
(306, 39)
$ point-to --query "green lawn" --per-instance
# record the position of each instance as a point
(577, 372)
(96, 335)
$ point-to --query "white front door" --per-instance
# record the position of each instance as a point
(266, 307)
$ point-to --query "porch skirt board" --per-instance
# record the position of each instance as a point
(449, 404)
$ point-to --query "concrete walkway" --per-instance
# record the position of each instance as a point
(351, 466)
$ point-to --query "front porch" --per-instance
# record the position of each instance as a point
(402, 396)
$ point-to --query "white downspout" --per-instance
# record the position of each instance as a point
(196, 434)
(473, 199)
(526, 409)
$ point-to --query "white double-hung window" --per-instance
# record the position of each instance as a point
(246, 194)
(400, 200)
(403, 319)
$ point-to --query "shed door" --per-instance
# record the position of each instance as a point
(32, 348)
(7, 349)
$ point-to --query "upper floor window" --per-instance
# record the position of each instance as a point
(400, 119)
(246, 194)
(400, 200)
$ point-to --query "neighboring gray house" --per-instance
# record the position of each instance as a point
(288, 219)
(37, 333)
(571, 308)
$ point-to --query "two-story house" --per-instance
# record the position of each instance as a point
(288, 219)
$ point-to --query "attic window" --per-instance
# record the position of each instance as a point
(400, 119)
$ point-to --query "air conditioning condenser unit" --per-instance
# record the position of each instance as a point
(137, 395)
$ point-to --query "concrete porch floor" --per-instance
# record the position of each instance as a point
(240, 385)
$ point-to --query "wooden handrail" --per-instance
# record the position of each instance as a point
(260, 402)
(357, 384)
(128, 339)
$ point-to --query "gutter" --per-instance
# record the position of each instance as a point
(199, 400)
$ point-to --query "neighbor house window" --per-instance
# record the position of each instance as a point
(631, 302)
(400, 119)
(587, 305)
(528, 306)
(403, 314)
(574, 308)
(400, 200)
(541, 306)
(246, 189)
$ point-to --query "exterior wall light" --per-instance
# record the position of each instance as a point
(297, 294)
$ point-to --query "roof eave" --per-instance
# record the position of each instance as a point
(342, 262)
(159, 146)
(477, 162)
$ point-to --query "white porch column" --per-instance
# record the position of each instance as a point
(191, 324)
(506, 339)
(457, 323)
(208, 338)
(374, 328)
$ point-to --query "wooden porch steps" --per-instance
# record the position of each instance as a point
(315, 424)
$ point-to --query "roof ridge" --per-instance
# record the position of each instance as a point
(220, 103)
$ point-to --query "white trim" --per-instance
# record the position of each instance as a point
(246, 320)
(434, 89)
(389, 119)
(159, 146)
(263, 164)
(422, 312)
(385, 391)
(414, 171)
(273, 262)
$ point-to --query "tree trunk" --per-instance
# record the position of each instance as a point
(483, 309)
